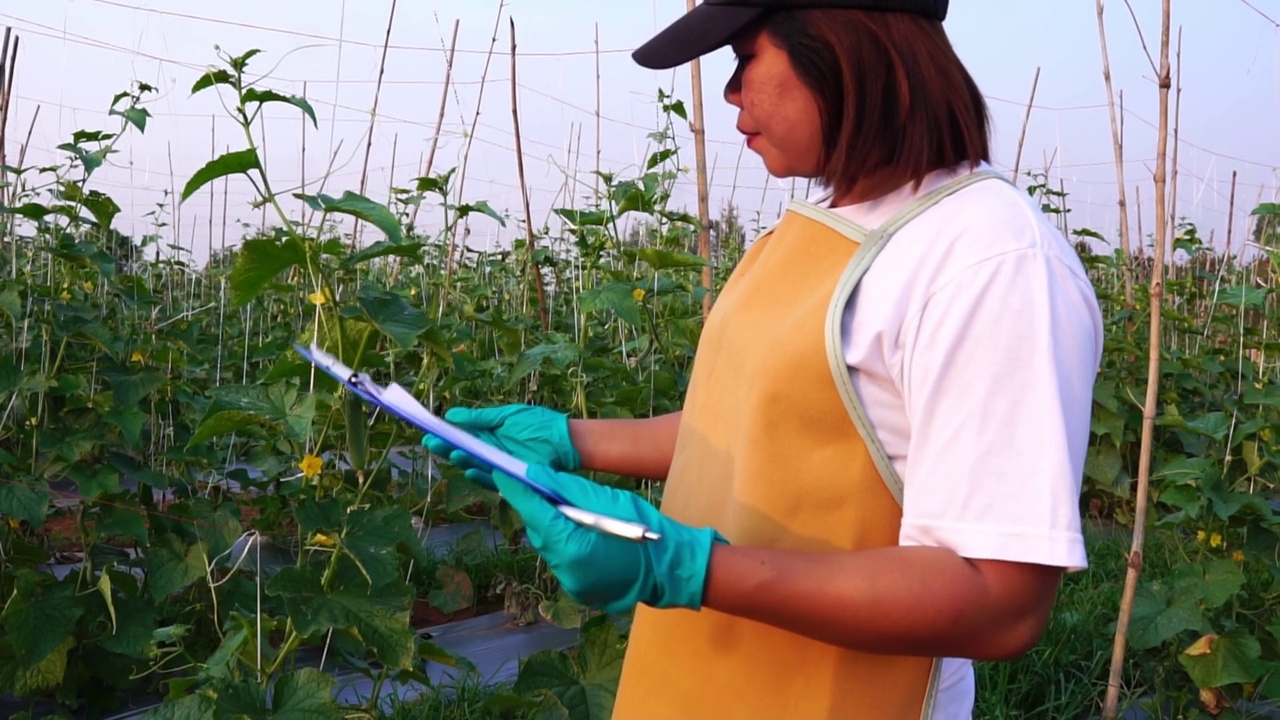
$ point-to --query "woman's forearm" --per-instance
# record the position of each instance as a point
(896, 601)
(637, 448)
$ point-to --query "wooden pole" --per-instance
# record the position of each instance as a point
(524, 188)
(704, 194)
(1110, 707)
(373, 117)
(444, 102)
(1026, 122)
(1117, 142)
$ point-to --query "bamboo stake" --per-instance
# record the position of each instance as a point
(7, 66)
(1177, 126)
(302, 161)
(1137, 191)
(1110, 707)
(596, 193)
(704, 194)
(524, 188)
(1231, 215)
(1117, 140)
(213, 153)
(373, 120)
(1026, 121)
(466, 153)
(444, 102)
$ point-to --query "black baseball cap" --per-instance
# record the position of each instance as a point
(713, 24)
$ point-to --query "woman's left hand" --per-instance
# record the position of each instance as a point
(603, 571)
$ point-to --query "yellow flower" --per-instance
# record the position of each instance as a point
(317, 298)
(136, 356)
(1200, 536)
(88, 286)
(1215, 540)
(638, 294)
(413, 292)
(310, 465)
(322, 540)
(64, 296)
(1238, 556)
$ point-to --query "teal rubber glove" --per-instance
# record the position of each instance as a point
(603, 571)
(533, 434)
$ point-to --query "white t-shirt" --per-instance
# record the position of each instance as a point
(973, 342)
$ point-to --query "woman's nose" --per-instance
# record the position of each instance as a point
(733, 89)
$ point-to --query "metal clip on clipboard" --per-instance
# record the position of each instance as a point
(401, 404)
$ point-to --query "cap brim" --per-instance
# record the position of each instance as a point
(703, 30)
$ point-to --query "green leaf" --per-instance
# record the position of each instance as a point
(584, 218)
(616, 297)
(129, 386)
(192, 707)
(90, 160)
(666, 259)
(135, 116)
(130, 421)
(1215, 425)
(172, 566)
(305, 695)
(585, 685)
(25, 502)
(1219, 580)
(380, 616)
(94, 481)
(259, 261)
(375, 535)
(31, 211)
(211, 77)
(40, 619)
(411, 250)
(1160, 614)
(221, 663)
(390, 313)
(239, 162)
(136, 622)
(254, 95)
(1216, 661)
(226, 422)
(242, 699)
(481, 207)
(1243, 296)
(360, 207)
(562, 354)
(1104, 466)
(45, 675)
(121, 521)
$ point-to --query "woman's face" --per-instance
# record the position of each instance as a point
(778, 114)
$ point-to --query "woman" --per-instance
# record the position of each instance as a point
(875, 476)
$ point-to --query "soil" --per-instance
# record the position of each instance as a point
(424, 615)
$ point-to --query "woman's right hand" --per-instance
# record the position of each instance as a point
(534, 434)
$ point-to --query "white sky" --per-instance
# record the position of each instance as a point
(76, 54)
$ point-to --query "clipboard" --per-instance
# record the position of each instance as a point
(399, 403)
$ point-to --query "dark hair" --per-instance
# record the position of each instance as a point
(896, 102)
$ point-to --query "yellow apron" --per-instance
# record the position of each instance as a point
(774, 450)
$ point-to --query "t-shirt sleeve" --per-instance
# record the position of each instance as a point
(997, 376)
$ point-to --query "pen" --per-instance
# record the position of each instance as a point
(613, 526)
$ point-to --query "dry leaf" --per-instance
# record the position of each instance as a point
(1203, 646)
(1214, 700)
